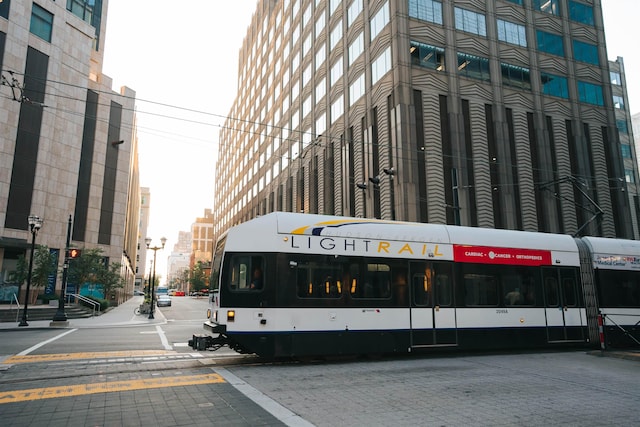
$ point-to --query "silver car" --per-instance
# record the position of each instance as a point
(164, 301)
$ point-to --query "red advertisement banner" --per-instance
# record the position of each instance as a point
(491, 255)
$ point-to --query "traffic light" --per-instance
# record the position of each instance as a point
(74, 253)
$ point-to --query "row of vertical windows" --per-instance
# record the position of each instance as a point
(578, 12)
(550, 43)
(515, 76)
(590, 93)
(555, 85)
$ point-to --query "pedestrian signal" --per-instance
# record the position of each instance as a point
(74, 253)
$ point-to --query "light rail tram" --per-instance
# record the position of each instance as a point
(288, 284)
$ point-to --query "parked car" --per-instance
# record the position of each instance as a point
(179, 293)
(137, 292)
(164, 301)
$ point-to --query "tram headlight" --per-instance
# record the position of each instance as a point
(231, 315)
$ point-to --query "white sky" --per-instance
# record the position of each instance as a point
(185, 55)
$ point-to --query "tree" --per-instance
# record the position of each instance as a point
(197, 277)
(91, 267)
(43, 267)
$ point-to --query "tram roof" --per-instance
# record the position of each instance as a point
(605, 246)
(289, 223)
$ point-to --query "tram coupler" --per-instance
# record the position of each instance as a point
(204, 342)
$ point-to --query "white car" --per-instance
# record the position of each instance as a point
(164, 301)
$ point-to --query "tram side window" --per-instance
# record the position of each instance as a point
(518, 288)
(247, 273)
(551, 291)
(618, 288)
(372, 281)
(318, 280)
(480, 289)
(569, 292)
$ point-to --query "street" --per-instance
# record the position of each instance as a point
(123, 369)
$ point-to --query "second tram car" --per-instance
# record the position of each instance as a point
(288, 284)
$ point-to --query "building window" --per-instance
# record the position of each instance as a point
(337, 109)
(354, 11)
(471, 22)
(306, 107)
(336, 35)
(83, 9)
(320, 25)
(590, 93)
(550, 43)
(41, 23)
(547, 6)
(626, 150)
(618, 102)
(4, 8)
(580, 12)
(320, 56)
(333, 5)
(473, 66)
(427, 56)
(321, 89)
(516, 2)
(380, 20)
(554, 85)
(321, 124)
(336, 72)
(426, 10)
(616, 79)
(629, 176)
(512, 33)
(585, 52)
(356, 48)
(380, 66)
(622, 126)
(515, 76)
(356, 90)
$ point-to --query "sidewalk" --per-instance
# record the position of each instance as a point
(121, 315)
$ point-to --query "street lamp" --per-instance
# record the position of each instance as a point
(153, 281)
(61, 316)
(35, 223)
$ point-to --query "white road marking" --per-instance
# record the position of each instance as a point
(37, 346)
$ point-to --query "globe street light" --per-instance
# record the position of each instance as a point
(153, 281)
(35, 223)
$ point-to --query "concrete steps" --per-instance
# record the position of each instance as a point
(43, 312)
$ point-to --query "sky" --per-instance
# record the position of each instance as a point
(181, 59)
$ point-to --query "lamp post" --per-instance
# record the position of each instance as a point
(35, 223)
(153, 281)
(61, 316)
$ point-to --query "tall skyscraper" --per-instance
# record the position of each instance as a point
(487, 113)
(67, 139)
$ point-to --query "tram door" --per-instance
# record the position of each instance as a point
(433, 315)
(564, 315)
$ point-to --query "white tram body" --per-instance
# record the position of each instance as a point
(336, 285)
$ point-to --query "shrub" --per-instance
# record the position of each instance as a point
(45, 298)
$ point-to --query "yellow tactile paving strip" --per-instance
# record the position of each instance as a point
(106, 387)
(37, 358)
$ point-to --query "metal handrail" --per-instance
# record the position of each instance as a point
(17, 304)
(624, 331)
(87, 300)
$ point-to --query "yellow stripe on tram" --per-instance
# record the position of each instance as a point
(35, 358)
(106, 387)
